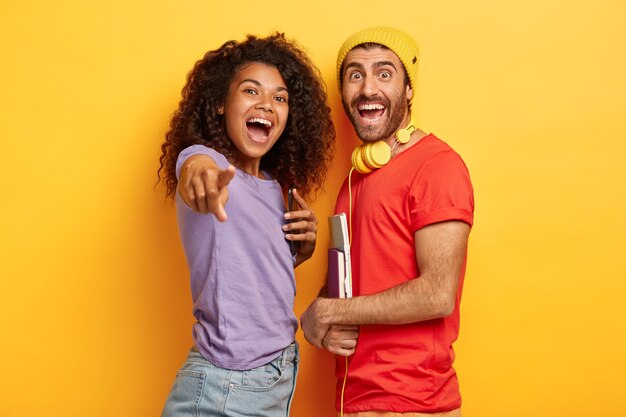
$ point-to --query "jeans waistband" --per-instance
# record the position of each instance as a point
(288, 354)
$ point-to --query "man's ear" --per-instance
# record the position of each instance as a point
(220, 110)
(409, 92)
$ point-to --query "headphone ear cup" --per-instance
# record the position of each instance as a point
(357, 161)
(370, 156)
(404, 135)
(377, 154)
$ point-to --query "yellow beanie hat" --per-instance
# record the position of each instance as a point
(403, 45)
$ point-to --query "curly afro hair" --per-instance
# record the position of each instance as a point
(302, 154)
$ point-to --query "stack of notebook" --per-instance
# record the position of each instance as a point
(339, 267)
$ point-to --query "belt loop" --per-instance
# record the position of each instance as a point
(287, 352)
(283, 358)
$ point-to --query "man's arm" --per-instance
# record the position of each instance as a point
(440, 251)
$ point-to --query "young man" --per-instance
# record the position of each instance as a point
(411, 209)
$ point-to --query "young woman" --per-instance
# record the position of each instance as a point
(252, 122)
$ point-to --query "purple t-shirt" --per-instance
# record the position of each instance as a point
(242, 279)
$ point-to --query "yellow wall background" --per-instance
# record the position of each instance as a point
(95, 310)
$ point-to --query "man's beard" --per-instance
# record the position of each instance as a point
(393, 117)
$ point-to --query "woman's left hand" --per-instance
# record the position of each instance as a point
(304, 224)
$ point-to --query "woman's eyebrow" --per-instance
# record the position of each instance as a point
(258, 84)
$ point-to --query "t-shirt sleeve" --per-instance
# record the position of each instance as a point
(441, 191)
(219, 159)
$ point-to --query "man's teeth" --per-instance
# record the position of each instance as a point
(376, 106)
(262, 121)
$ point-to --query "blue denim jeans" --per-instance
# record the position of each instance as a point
(204, 390)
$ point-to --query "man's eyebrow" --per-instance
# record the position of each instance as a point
(354, 64)
(378, 64)
(258, 84)
(384, 63)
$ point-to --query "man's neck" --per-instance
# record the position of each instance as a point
(416, 136)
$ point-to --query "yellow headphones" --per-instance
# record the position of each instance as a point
(373, 155)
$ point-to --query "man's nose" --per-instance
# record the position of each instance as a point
(369, 87)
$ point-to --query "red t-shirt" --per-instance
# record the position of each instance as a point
(403, 368)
